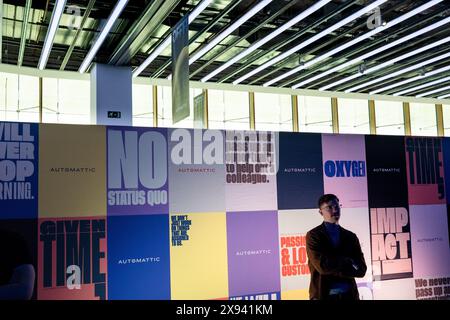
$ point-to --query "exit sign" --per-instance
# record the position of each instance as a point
(114, 114)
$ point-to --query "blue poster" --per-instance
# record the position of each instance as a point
(300, 175)
(18, 170)
(138, 257)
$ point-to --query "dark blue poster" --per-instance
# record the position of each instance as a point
(18, 170)
(386, 172)
(19, 246)
(300, 175)
(446, 164)
(138, 257)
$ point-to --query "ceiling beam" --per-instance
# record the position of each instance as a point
(413, 81)
(136, 28)
(211, 24)
(255, 56)
(418, 24)
(166, 41)
(72, 45)
(247, 35)
(396, 67)
(148, 22)
(395, 50)
(358, 34)
(23, 35)
(336, 37)
(52, 28)
(433, 82)
(102, 36)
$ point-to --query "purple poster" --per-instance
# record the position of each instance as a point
(429, 239)
(137, 171)
(344, 169)
(253, 252)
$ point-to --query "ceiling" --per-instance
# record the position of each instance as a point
(388, 51)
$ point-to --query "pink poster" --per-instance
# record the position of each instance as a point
(391, 243)
(72, 259)
(344, 168)
(397, 289)
(251, 170)
(425, 171)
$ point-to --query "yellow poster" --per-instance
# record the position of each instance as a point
(198, 256)
(301, 294)
(72, 171)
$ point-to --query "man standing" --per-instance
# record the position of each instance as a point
(334, 254)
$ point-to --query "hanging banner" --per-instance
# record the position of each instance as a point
(199, 111)
(180, 70)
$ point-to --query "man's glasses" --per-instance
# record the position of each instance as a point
(331, 207)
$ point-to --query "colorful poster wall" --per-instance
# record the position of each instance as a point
(121, 213)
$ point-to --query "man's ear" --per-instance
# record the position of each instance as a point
(320, 211)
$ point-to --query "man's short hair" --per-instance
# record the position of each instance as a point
(327, 198)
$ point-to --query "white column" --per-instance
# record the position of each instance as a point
(111, 95)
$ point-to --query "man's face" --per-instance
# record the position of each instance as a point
(331, 211)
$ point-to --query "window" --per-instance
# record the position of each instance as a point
(353, 116)
(389, 118)
(165, 108)
(423, 119)
(66, 101)
(228, 110)
(273, 112)
(314, 114)
(19, 98)
(142, 105)
(74, 101)
(446, 116)
(28, 99)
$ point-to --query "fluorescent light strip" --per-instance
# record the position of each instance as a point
(397, 84)
(444, 96)
(385, 64)
(374, 52)
(313, 39)
(197, 10)
(405, 70)
(267, 38)
(194, 14)
(354, 41)
(429, 84)
(53, 27)
(356, 75)
(229, 30)
(152, 57)
(101, 38)
(432, 91)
